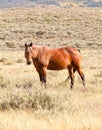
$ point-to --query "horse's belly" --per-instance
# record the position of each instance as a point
(56, 66)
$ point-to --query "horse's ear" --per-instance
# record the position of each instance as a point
(31, 44)
(25, 44)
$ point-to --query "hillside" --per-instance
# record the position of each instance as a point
(53, 26)
(65, 3)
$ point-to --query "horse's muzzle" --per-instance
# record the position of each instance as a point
(29, 62)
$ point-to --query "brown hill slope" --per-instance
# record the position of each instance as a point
(81, 27)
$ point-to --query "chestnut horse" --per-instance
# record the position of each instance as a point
(44, 58)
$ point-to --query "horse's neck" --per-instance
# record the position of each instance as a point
(35, 49)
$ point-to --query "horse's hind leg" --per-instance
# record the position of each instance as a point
(74, 70)
(81, 75)
(71, 74)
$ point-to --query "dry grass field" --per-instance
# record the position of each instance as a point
(24, 103)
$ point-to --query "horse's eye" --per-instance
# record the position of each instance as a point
(26, 49)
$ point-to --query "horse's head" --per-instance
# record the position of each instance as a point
(28, 52)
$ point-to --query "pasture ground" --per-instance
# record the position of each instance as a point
(24, 103)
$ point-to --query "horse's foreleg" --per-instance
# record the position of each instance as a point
(42, 79)
(42, 75)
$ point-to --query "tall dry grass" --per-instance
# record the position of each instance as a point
(25, 104)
